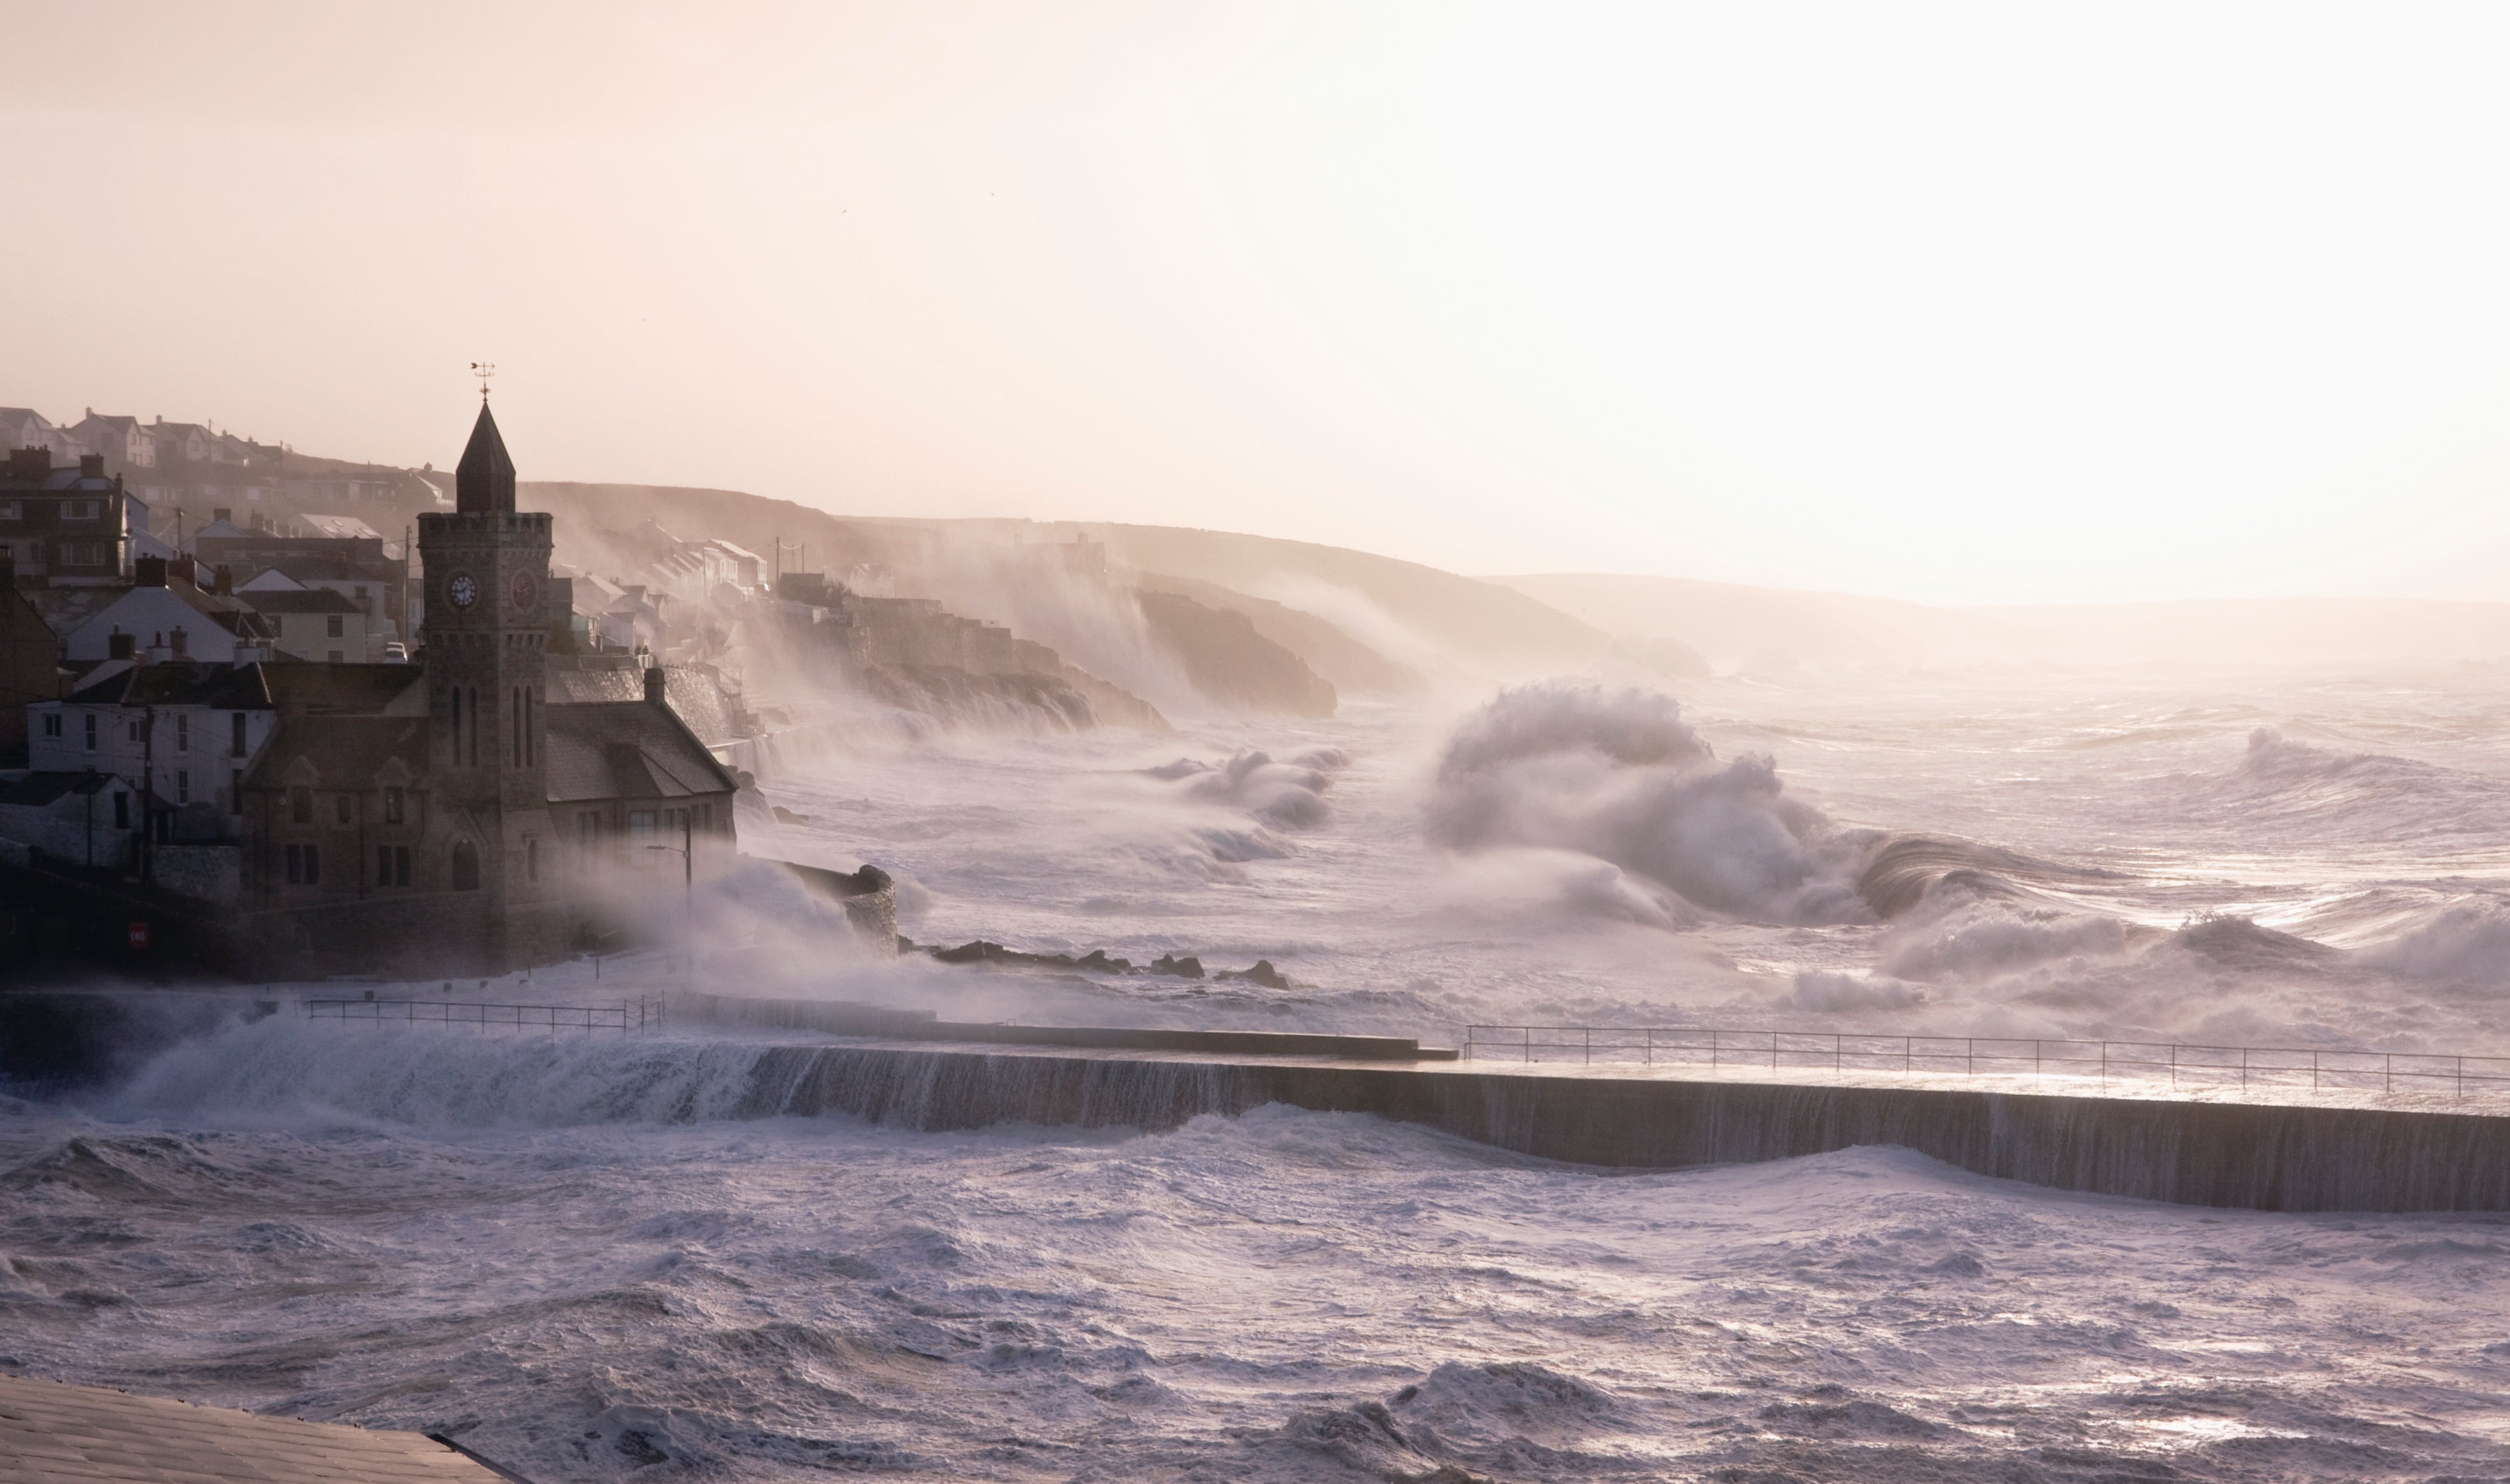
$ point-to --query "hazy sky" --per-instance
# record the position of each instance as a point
(1957, 303)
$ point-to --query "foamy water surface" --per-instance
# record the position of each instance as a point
(574, 1254)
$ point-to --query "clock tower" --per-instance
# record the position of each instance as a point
(486, 636)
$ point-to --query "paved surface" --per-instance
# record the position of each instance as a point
(51, 1433)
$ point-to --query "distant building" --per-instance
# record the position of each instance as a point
(462, 813)
(66, 525)
(123, 440)
(493, 828)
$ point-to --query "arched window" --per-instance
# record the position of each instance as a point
(465, 866)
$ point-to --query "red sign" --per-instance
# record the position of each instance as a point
(139, 935)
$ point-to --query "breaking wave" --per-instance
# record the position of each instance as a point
(1620, 776)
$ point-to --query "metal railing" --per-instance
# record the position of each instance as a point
(2319, 1068)
(639, 1014)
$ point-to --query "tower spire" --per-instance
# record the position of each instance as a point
(484, 480)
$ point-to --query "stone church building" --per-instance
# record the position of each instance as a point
(492, 827)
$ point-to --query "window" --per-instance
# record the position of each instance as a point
(531, 857)
(300, 805)
(391, 806)
(133, 728)
(182, 785)
(235, 790)
(122, 810)
(235, 740)
(341, 807)
(182, 733)
(640, 821)
(51, 723)
(90, 731)
(383, 865)
(587, 825)
(78, 510)
(335, 628)
(13, 510)
(466, 867)
(304, 865)
(400, 866)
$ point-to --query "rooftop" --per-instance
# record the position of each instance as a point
(627, 749)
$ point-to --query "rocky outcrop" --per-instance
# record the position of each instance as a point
(1226, 660)
(1348, 666)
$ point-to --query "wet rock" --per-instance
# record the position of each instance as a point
(1187, 968)
(1262, 974)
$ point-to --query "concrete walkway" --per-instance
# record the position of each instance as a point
(51, 1433)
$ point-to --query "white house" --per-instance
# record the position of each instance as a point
(193, 730)
(315, 623)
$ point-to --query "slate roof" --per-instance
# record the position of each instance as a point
(328, 568)
(346, 750)
(64, 480)
(51, 1433)
(627, 749)
(342, 527)
(299, 685)
(175, 682)
(353, 689)
(302, 600)
(64, 609)
(34, 789)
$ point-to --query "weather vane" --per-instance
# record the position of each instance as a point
(483, 370)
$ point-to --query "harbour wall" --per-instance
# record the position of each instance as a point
(2255, 1156)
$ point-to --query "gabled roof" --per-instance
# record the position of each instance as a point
(222, 530)
(627, 749)
(226, 612)
(36, 789)
(302, 600)
(175, 682)
(331, 567)
(65, 609)
(354, 689)
(345, 751)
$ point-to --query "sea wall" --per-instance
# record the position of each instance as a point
(2264, 1157)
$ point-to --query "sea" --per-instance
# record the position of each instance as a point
(572, 1253)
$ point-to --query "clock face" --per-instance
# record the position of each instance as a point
(463, 590)
(523, 592)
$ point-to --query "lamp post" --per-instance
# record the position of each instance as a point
(688, 893)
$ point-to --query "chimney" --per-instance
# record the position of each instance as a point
(148, 572)
(658, 690)
(121, 646)
(223, 513)
(158, 653)
(223, 580)
(29, 463)
(180, 640)
(91, 466)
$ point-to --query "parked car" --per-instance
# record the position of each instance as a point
(396, 653)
